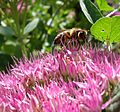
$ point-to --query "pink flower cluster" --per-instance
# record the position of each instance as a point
(68, 81)
(21, 6)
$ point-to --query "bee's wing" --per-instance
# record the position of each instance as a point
(60, 31)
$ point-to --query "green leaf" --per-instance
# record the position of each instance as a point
(91, 12)
(103, 5)
(6, 31)
(116, 1)
(6, 59)
(107, 29)
(12, 48)
(31, 26)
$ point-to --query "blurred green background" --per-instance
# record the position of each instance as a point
(29, 26)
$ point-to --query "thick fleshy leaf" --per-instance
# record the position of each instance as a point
(103, 5)
(107, 29)
(6, 31)
(91, 12)
(31, 26)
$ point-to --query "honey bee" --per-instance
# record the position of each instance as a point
(70, 36)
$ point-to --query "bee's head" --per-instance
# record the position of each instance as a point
(82, 34)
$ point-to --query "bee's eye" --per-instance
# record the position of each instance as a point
(81, 34)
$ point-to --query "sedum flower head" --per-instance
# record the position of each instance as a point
(68, 81)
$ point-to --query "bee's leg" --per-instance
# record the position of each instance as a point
(62, 39)
(63, 45)
(78, 44)
(68, 44)
(75, 44)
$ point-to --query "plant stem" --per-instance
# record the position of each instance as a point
(111, 13)
(16, 18)
(25, 15)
